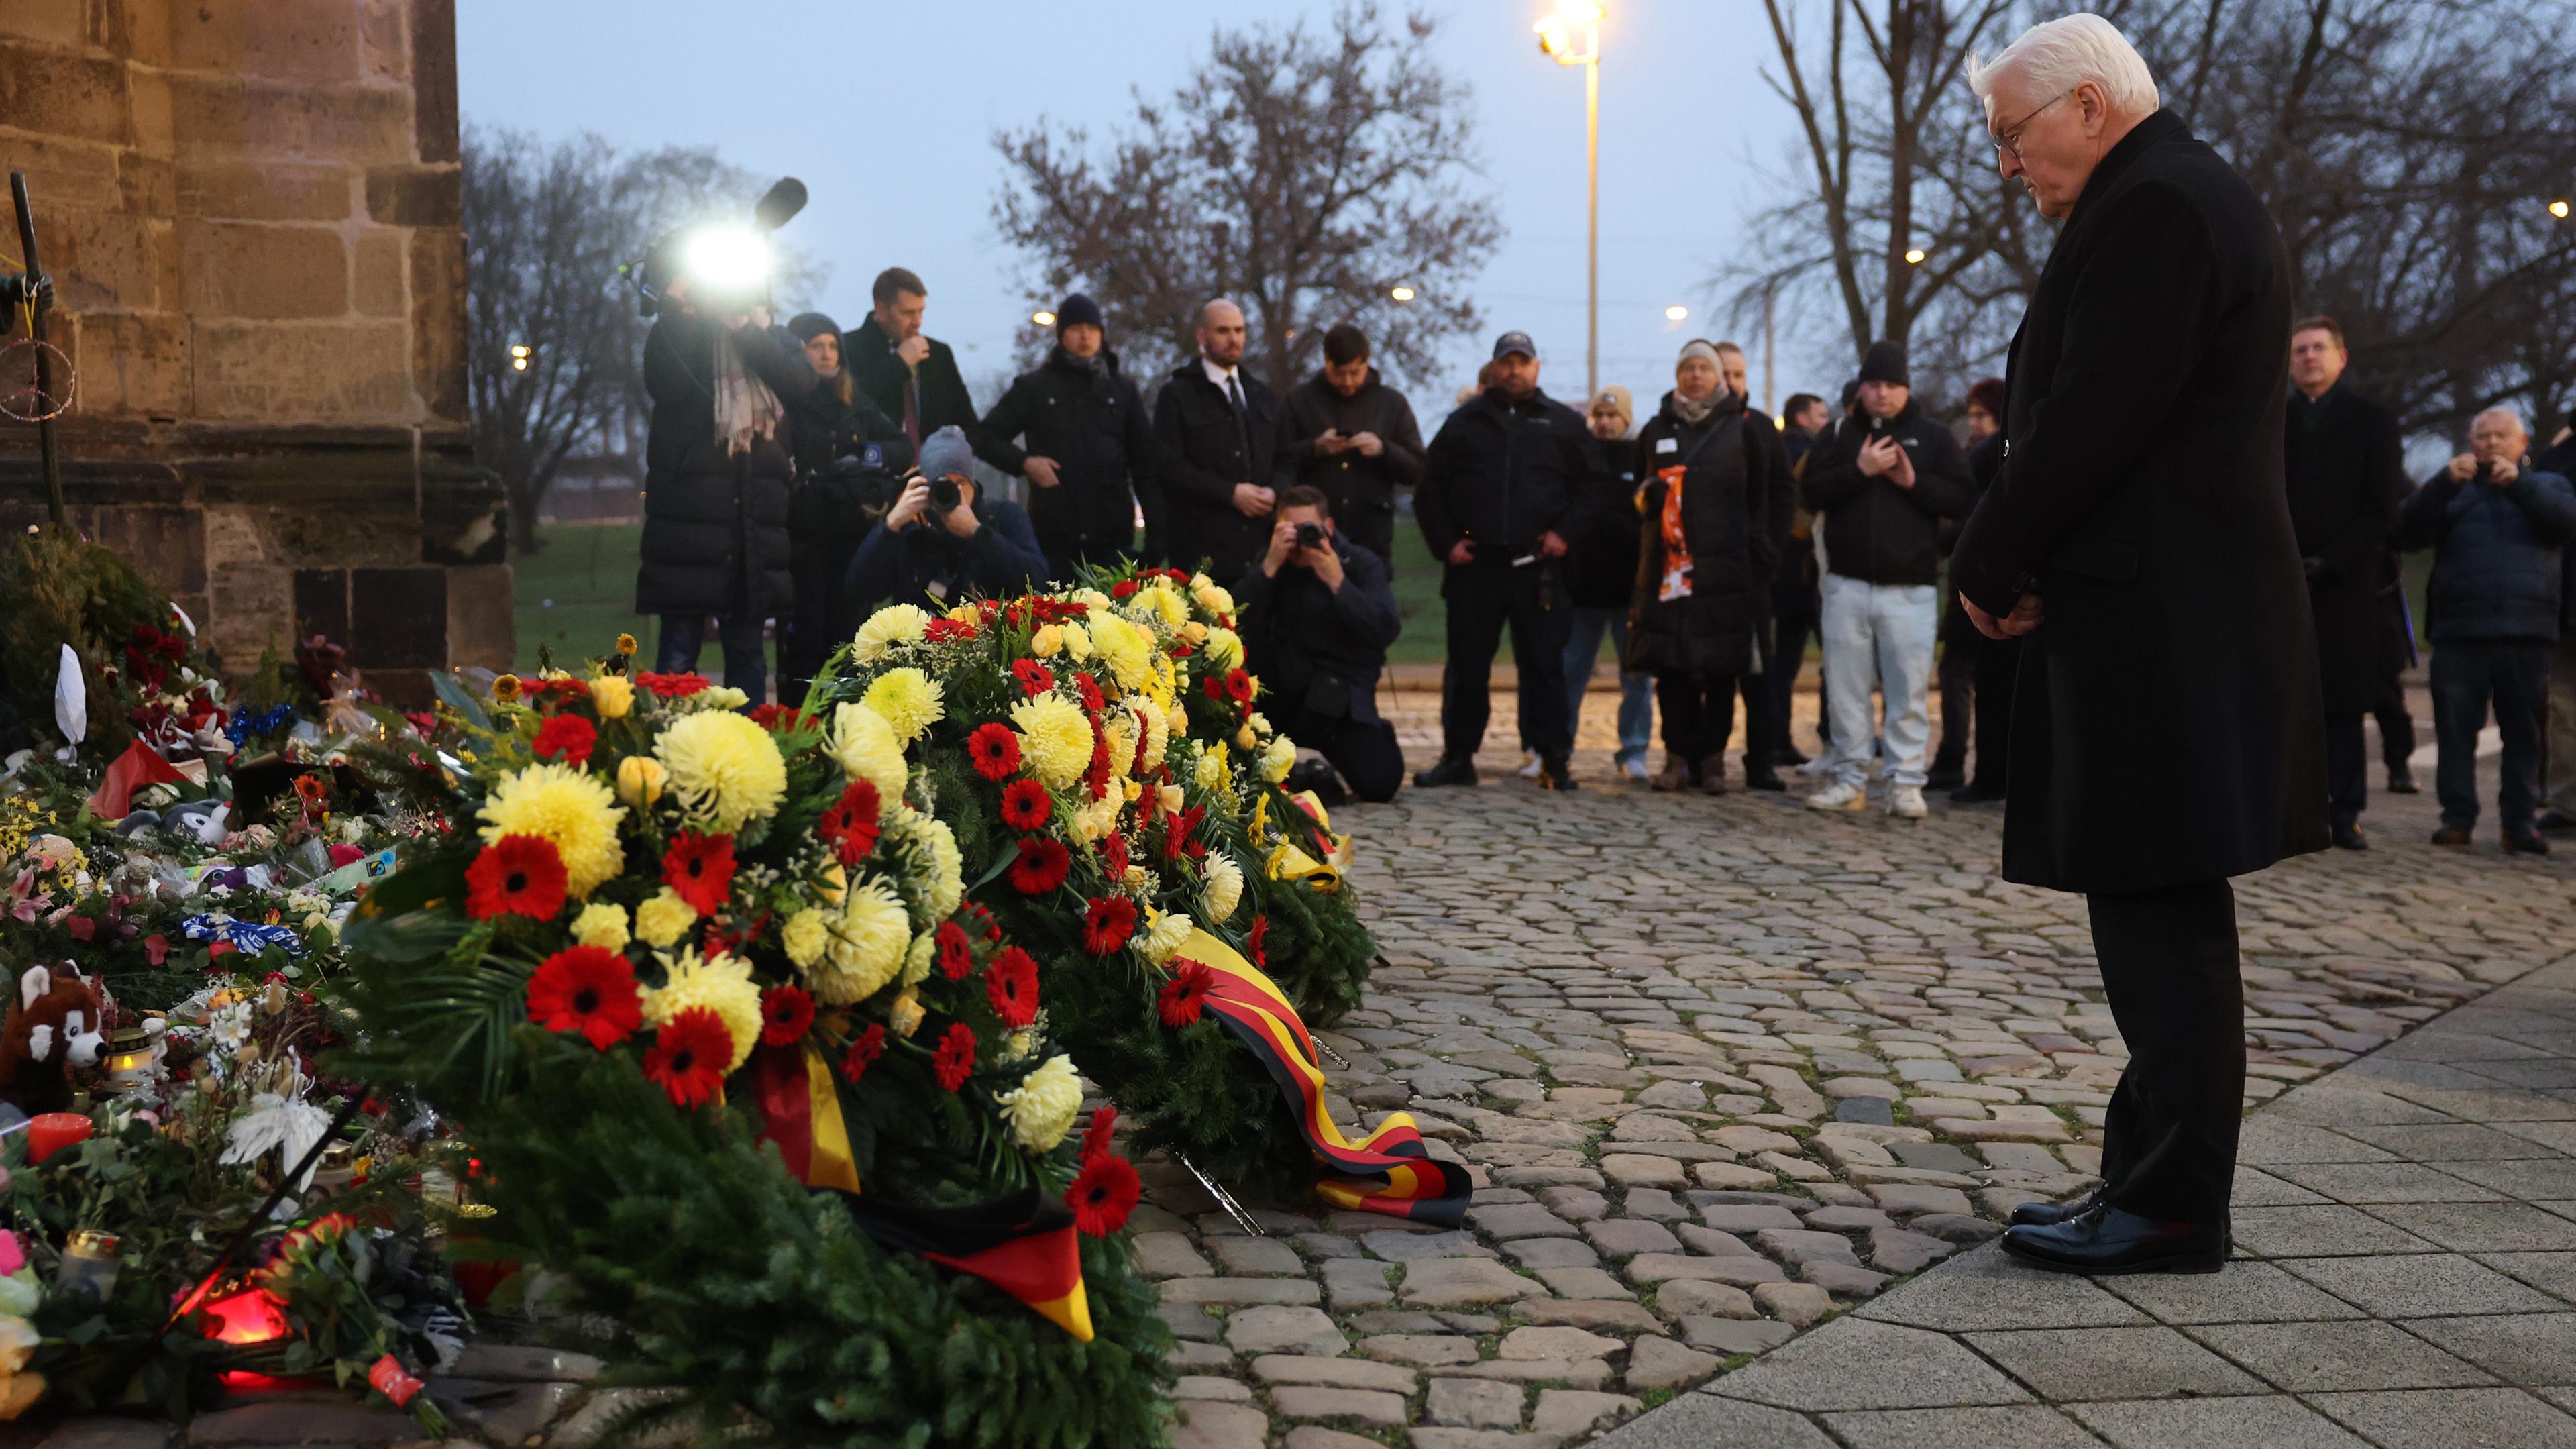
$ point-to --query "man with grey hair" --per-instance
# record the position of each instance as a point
(2496, 529)
(2167, 729)
(1219, 428)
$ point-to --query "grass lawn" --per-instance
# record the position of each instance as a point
(577, 594)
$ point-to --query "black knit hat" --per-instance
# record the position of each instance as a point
(1884, 362)
(809, 325)
(1079, 310)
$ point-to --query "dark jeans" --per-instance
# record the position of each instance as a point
(1699, 715)
(2396, 726)
(824, 619)
(1998, 663)
(2169, 968)
(1956, 677)
(1762, 736)
(1363, 752)
(1790, 633)
(2347, 770)
(1483, 599)
(746, 662)
(2468, 674)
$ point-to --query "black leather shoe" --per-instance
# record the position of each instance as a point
(2553, 823)
(2349, 837)
(1787, 757)
(2451, 835)
(2527, 843)
(1764, 780)
(1556, 774)
(1976, 792)
(2106, 1240)
(1946, 777)
(1451, 770)
(2401, 782)
(2045, 1214)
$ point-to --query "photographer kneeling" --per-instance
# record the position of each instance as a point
(1316, 621)
(941, 543)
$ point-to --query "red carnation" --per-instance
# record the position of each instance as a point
(1041, 866)
(946, 630)
(1113, 853)
(1103, 1194)
(517, 875)
(956, 958)
(774, 717)
(1035, 678)
(1025, 805)
(690, 1055)
(1012, 983)
(1095, 1138)
(1260, 929)
(1107, 924)
(1095, 776)
(850, 822)
(955, 1059)
(863, 1054)
(1185, 995)
(566, 737)
(786, 1012)
(699, 869)
(1125, 588)
(1213, 687)
(590, 990)
(985, 925)
(673, 686)
(995, 749)
(1089, 689)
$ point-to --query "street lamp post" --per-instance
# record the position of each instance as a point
(1556, 37)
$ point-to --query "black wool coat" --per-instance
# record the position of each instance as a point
(1205, 453)
(1362, 490)
(1601, 565)
(1735, 508)
(2346, 475)
(715, 524)
(939, 391)
(1091, 421)
(2166, 721)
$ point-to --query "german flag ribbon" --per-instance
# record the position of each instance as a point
(1388, 1171)
(800, 1107)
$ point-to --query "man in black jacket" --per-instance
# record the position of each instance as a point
(2166, 732)
(1090, 453)
(1884, 481)
(1347, 433)
(923, 554)
(910, 377)
(2346, 474)
(1510, 477)
(1317, 618)
(1219, 427)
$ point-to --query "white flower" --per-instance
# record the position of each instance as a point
(865, 748)
(1278, 759)
(892, 625)
(1163, 938)
(231, 1026)
(1224, 886)
(1042, 1109)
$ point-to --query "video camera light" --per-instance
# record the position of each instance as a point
(727, 261)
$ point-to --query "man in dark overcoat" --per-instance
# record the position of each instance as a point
(2166, 720)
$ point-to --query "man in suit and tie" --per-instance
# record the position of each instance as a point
(1219, 430)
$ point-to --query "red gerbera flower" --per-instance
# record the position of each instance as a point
(1260, 929)
(850, 822)
(516, 875)
(590, 990)
(699, 868)
(985, 925)
(566, 737)
(863, 1053)
(1025, 805)
(995, 749)
(956, 958)
(673, 686)
(1238, 686)
(1185, 995)
(1103, 1194)
(1095, 1138)
(1213, 687)
(786, 1012)
(1089, 689)
(955, 1059)
(1113, 853)
(1035, 678)
(946, 630)
(1012, 983)
(689, 1056)
(1107, 924)
(1041, 867)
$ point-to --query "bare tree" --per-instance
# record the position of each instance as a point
(1305, 174)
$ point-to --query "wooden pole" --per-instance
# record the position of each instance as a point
(44, 355)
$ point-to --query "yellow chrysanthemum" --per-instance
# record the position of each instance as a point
(664, 919)
(601, 924)
(1077, 642)
(1126, 649)
(1120, 727)
(1225, 648)
(1224, 887)
(1048, 641)
(908, 699)
(947, 864)
(868, 945)
(570, 807)
(1055, 738)
(917, 961)
(1211, 767)
(1163, 935)
(864, 746)
(1278, 759)
(612, 695)
(725, 769)
(720, 983)
(1158, 733)
(1042, 1109)
(893, 625)
(805, 936)
(1161, 603)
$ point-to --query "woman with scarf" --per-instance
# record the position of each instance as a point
(1706, 551)
(716, 481)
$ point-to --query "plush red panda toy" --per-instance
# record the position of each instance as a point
(53, 1026)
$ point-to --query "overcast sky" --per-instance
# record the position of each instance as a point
(887, 113)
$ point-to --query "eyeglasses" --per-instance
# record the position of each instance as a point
(2011, 140)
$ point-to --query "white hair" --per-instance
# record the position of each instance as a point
(2056, 56)
(2506, 411)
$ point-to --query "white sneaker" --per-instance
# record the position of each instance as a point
(1839, 796)
(1905, 802)
(1530, 770)
(1635, 769)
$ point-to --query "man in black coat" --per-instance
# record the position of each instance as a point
(1219, 428)
(1317, 618)
(2346, 474)
(1508, 480)
(911, 378)
(1345, 432)
(936, 558)
(2166, 732)
(1090, 451)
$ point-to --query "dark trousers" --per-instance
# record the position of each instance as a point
(2468, 675)
(1699, 715)
(746, 659)
(1484, 598)
(1790, 633)
(1956, 677)
(2347, 770)
(1998, 662)
(1363, 752)
(1761, 736)
(824, 619)
(2396, 726)
(2169, 968)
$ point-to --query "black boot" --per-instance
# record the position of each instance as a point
(1451, 770)
(1557, 774)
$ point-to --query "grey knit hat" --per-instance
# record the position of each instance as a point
(945, 452)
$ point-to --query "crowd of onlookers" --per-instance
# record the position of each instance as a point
(1705, 543)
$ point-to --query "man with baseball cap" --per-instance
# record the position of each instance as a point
(1510, 477)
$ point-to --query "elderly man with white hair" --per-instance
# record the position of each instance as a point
(2496, 528)
(2167, 730)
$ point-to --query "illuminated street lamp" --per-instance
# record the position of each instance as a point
(1556, 37)
(2559, 208)
(1401, 294)
(1677, 313)
(1914, 256)
(1043, 319)
(518, 358)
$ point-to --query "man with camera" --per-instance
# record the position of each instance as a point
(1219, 427)
(1317, 617)
(1089, 452)
(940, 543)
(1349, 434)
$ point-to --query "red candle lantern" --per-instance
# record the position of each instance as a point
(51, 1132)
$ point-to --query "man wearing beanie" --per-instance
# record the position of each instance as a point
(1884, 479)
(923, 554)
(1085, 445)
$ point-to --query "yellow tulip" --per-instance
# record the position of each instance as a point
(640, 779)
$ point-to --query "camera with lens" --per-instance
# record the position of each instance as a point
(834, 506)
(1310, 535)
(944, 497)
